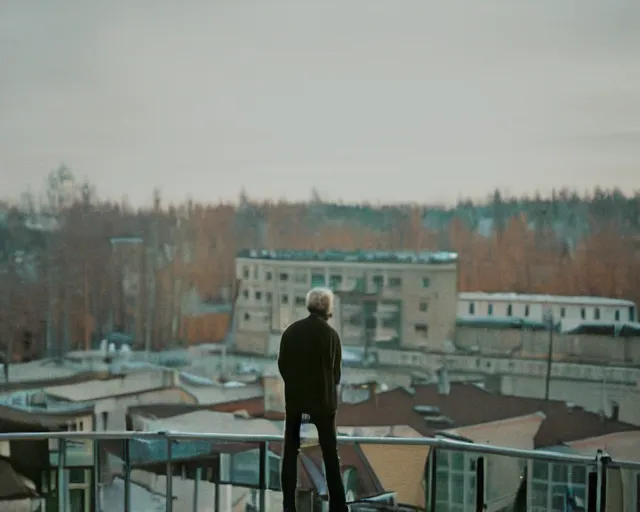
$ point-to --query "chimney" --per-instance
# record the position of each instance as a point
(615, 411)
(444, 386)
(372, 386)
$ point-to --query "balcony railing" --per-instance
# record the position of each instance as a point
(456, 476)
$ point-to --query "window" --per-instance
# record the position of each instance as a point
(596, 314)
(553, 484)
(317, 279)
(78, 489)
(268, 275)
(563, 312)
(395, 282)
(284, 299)
(245, 468)
(258, 295)
(378, 282)
(617, 315)
(526, 310)
(583, 313)
(300, 301)
(424, 306)
(632, 314)
(472, 308)
(245, 272)
(490, 309)
(267, 297)
(390, 323)
(426, 282)
(509, 310)
(335, 281)
(245, 293)
(247, 317)
(455, 480)
(422, 329)
(284, 276)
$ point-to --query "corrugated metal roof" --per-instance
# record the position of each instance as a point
(495, 322)
(406, 257)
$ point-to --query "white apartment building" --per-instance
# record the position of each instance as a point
(391, 299)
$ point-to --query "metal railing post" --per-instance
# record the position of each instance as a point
(216, 485)
(433, 480)
(479, 484)
(61, 487)
(97, 477)
(127, 474)
(601, 471)
(262, 475)
(169, 477)
(196, 488)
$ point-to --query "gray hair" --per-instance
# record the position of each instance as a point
(320, 300)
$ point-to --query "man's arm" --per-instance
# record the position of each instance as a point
(337, 359)
(283, 363)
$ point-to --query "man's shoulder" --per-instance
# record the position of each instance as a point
(294, 326)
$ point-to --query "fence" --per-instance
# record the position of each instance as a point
(171, 452)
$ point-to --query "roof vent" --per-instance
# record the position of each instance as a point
(444, 386)
(427, 410)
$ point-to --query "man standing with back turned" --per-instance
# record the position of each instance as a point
(310, 362)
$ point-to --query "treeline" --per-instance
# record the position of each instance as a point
(74, 268)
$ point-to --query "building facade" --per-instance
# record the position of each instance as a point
(567, 310)
(383, 299)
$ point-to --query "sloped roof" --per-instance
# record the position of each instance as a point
(14, 419)
(621, 445)
(621, 329)
(351, 457)
(14, 486)
(467, 404)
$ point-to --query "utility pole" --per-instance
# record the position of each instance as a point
(151, 286)
(550, 325)
(50, 293)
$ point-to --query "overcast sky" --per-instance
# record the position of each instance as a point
(405, 100)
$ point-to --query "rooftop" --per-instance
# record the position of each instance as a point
(464, 405)
(400, 257)
(545, 299)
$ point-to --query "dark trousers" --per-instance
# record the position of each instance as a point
(327, 437)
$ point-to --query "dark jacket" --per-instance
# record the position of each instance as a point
(310, 362)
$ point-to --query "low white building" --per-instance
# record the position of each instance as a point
(568, 310)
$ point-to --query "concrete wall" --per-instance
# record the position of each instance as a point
(116, 407)
(582, 347)
(593, 396)
(249, 342)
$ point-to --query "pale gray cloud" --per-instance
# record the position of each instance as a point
(407, 100)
